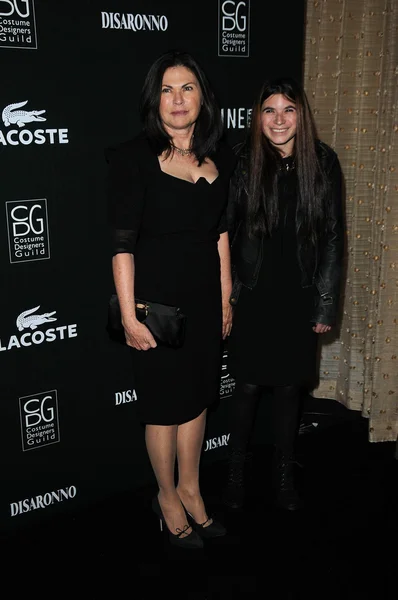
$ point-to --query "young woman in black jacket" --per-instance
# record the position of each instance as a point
(286, 233)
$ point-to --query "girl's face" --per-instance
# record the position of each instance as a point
(278, 122)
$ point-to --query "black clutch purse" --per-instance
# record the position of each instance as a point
(166, 323)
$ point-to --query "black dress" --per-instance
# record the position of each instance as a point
(172, 227)
(272, 342)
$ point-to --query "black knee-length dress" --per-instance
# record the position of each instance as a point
(272, 342)
(172, 227)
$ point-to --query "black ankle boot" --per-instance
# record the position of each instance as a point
(286, 495)
(234, 492)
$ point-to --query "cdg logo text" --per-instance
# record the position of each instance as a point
(235, 19)
(37, 414)
(14, 7)
(27, 222)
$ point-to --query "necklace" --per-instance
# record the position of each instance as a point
(290, 167)
(288, 164)
(181, 151)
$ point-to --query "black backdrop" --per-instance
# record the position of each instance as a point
(71, 77)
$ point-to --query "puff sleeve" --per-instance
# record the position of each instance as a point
(125, 199)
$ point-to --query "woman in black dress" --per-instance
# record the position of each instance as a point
(285, 216)
(168, 198)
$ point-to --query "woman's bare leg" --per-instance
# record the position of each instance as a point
(161, 443)
(189, 447)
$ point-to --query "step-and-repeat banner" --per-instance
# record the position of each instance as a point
(71, 77)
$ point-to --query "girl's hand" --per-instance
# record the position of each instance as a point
(321, 328)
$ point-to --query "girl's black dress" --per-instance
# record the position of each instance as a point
(272, 342)
(172, 227)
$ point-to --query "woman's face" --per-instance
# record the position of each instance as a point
(180, 99)
(278, 122)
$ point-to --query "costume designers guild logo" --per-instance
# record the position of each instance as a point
(137, 22)
(227, 384)
(39, 420)
(17, 24)
(27, 228)
(13, 115)
(31, 320)
(233, 27)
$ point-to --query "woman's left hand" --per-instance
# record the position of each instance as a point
(321, 328)
(226, 319)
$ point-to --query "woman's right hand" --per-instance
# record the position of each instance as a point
(138, 336)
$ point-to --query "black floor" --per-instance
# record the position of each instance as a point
(342, 545)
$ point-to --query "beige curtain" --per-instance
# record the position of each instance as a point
(350, 76)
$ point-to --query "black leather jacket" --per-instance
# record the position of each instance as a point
(321, 266)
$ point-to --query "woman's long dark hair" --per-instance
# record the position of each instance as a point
(265, 163)
(208, 127)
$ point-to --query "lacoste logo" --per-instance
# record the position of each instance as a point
(24, 321)
(11, 116)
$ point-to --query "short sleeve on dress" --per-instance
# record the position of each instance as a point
(222, 226)
(125, 197)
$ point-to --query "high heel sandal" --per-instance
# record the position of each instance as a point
(192, 540)
(215, 529)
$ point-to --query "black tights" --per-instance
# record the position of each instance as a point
(286, 415)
